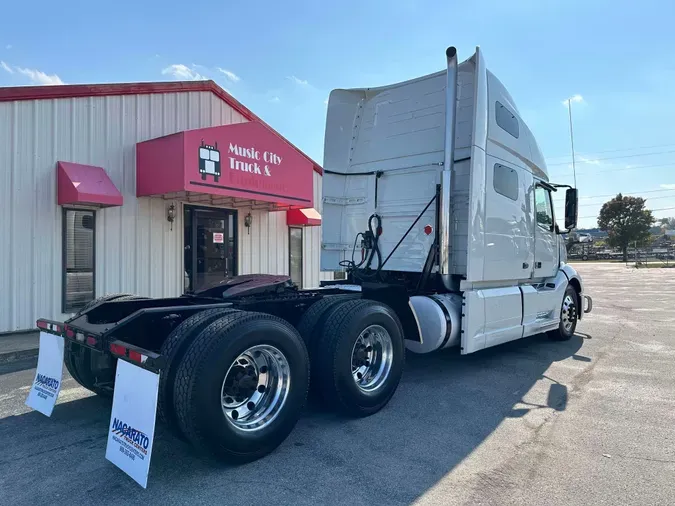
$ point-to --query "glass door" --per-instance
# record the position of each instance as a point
(210, 247)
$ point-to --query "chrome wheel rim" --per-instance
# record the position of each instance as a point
(372, 357)
(255, 388)
(568, 315)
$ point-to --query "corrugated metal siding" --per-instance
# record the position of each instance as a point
(312, 243)
(136, 250)
(265, 247)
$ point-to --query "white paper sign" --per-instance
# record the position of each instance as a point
(218, 238)
(132, 422)
(47, 382)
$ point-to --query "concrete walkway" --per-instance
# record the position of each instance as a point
(19, 345)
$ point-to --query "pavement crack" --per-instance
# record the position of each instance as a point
(648, 459)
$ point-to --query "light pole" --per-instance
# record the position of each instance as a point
(574, 166)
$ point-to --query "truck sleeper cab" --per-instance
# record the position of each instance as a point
(436, 203)
(446, 160)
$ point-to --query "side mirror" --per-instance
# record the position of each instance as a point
(571, 208)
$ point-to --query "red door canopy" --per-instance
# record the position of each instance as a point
(303, 217)
(85, 184)
(244, 160)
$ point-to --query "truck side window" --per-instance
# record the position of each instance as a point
(505, 181)
(506, 119)
(542, 201)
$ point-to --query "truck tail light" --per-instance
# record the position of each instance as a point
(45, 325)
(118, 349)
(133, 355)
(70, 332)
(91, 341)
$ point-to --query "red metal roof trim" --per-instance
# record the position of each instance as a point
(14, 93)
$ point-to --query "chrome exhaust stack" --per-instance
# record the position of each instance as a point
(446, 175)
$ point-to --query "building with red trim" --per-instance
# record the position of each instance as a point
(146, 188)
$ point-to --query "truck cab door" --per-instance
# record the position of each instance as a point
(545, 237)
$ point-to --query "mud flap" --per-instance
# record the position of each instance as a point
(132, 421)
(47, 383)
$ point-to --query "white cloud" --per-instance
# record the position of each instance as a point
(297, 80)
(231, 76)
(575, 99)
(587, 161)
(180, 71)
(8, 46)
(39, 77)
(275, 100)
(668, 186)
(35, 76)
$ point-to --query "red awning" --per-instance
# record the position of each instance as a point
(85, 184)
(309, 217)
(239, 161)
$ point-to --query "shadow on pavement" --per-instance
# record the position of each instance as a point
(18, 365)
(446, 406)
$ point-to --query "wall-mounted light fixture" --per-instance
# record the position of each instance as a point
(248, 220)
(171, 214)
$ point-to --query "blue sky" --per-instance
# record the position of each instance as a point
(281, 59)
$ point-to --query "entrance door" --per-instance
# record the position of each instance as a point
(545, 238)
(210, 247)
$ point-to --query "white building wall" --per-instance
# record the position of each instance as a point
(136, 250)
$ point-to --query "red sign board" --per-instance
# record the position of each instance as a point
(244, 160)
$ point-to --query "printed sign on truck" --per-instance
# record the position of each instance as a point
(47, 383)
(132, 422)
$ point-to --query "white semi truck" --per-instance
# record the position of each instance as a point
(436, 203)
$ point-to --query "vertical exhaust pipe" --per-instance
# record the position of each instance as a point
(446, 175)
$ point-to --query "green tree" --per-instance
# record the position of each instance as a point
(625, 220)
(667, 223)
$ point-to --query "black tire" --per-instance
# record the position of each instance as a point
(78, 363)
(199, 378)
(77, 358)
(173, 349)
(105, 298)
(333, 358)
(584, 257)
(313, 319)
(561, 333)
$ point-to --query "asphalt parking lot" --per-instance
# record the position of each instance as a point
(589, 421)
